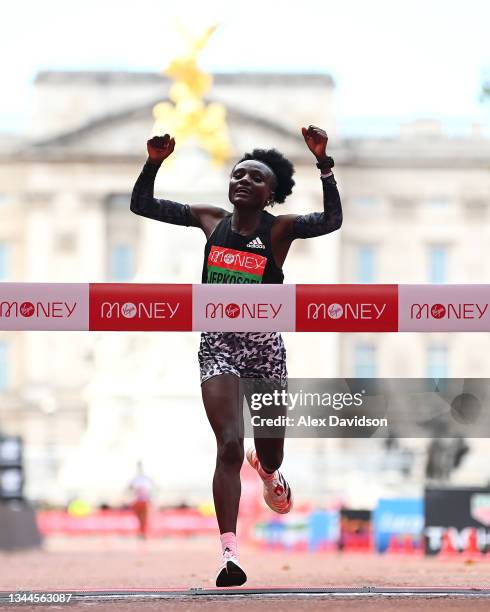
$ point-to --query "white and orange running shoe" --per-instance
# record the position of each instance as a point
(230, 573)
(277, 492)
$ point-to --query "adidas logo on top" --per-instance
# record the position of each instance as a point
(256, 243)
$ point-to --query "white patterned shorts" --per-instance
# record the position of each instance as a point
(244, 354)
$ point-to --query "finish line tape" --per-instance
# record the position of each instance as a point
(244, 308)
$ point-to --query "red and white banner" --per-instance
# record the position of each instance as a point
(132, 307)
(44, 306)
(347, 308)
(244, 307)
(444, 308)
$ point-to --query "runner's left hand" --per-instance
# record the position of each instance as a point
(316, 140)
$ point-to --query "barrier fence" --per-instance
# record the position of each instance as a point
(244, 308)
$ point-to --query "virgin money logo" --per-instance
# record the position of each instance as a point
(45, 310)
(347, 308)
(232, 311)
(335, 311)
(244, 311)
(238, 260)
(129, 310)
(354, 312)
(27, 309)
(438, 311)
(449, 311)
(140, 307)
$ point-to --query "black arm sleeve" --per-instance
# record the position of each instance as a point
(143, 203)
(316, 223)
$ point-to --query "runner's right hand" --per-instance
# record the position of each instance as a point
(159, 148)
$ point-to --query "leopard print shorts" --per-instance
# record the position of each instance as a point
(245, 354)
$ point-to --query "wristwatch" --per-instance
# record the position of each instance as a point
(326, 163)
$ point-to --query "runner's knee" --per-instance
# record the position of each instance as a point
(230, 451)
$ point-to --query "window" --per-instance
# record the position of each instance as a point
(65, 242)
(121, 263)
(437, 264)
(4, 264)
(437, 361)
(119, 201)
(476, 210)
(436, 202)
(365, 264)
(364, 360)
(3, 365)
(404, 207)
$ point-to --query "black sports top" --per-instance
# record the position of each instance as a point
(232, 258)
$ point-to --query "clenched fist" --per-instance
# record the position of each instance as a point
(316, 140)
(159, 148)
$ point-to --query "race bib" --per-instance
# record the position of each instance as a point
(231, 266)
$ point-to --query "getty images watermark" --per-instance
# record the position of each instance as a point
(364, 408)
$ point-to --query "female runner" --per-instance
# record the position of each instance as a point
(259, 179)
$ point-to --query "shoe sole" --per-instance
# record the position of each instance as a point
(231, 575)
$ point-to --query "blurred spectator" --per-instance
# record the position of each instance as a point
(141, 487)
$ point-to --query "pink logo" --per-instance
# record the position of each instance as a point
(466, 310)
(128, 310)
(438, 311)
(27, 309)
(335, 311)
(232, 311)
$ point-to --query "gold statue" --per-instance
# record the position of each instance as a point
(189, 115)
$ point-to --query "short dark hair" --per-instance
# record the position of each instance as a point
(280, 165)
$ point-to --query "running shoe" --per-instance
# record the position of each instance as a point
(230, 573)
(277, 492)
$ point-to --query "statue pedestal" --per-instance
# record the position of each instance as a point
(18, 527)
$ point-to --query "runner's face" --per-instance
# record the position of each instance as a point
(251, 184)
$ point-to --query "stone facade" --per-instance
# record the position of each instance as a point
(90, 405)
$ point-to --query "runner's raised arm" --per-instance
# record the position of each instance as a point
(145, 204)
